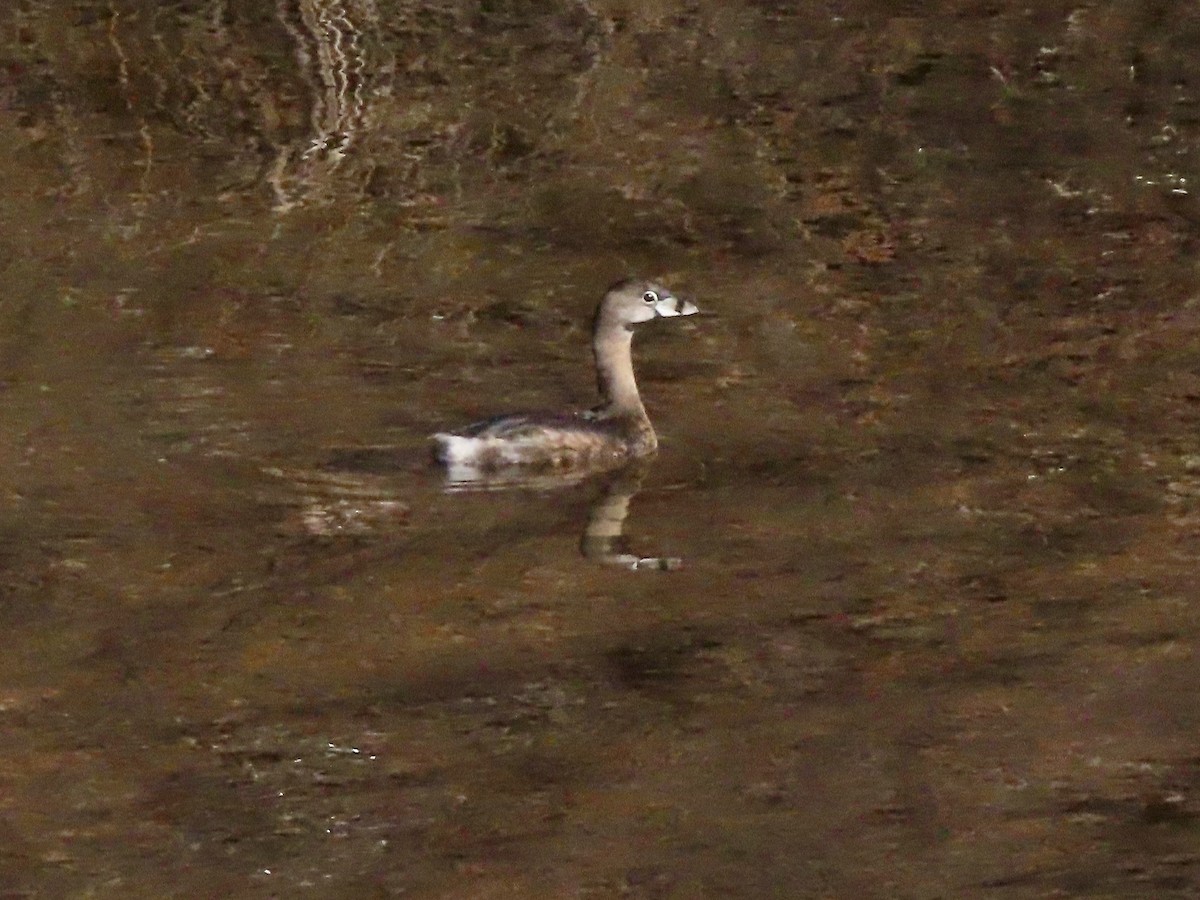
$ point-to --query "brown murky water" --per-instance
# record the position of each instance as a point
(932, 469)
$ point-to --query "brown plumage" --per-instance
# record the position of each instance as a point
(617, 430)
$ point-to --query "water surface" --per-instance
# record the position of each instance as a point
(930, 472)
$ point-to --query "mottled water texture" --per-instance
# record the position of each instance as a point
(929, 482)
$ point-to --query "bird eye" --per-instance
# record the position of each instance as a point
(650, 297)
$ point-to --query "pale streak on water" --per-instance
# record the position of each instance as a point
(330, 39)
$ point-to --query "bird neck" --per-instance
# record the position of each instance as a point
(612, 345)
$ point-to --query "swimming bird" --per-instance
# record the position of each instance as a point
(614, 432)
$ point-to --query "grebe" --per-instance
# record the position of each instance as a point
(616, 431)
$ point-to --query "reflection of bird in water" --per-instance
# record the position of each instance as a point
(359, 497)
(603, 538)
(609, 435)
